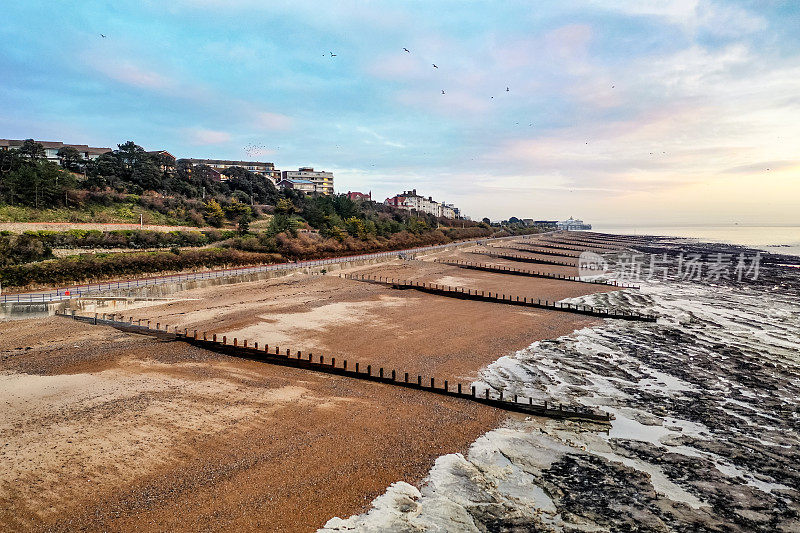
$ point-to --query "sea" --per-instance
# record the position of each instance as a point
(775, 239)
(706, 429)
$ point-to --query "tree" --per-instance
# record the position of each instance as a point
(104, 171)
(32, 150)
(214, 213)
(486, 220)
(70, 158)
(244, 221)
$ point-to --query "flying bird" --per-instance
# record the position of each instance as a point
(332, 54)
(442, 91)
(103, 36)
(407, 50)
(434, 65)
(507, 89)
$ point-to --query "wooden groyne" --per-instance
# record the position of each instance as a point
(523, 259)
(283, 356)
(502, 269)
(577, 247)
(487, 296)
(539, 251)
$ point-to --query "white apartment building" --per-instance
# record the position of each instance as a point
(322, 180)
(258, 167)
(305, 186)
(410, 200)
(51, 148)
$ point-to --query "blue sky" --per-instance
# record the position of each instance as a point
(617, 112)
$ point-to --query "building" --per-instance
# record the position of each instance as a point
(359, 196)
(545, 223)
(573, 224)
(447, 211)
(306, 186)
(164, 159)
(257, 167)
(51, 148)
(323, 180)
(411, 201)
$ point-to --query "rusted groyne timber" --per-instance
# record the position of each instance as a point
(276, 355)
(502, 269)
(576, 246)
(538, 251)
(524, 259)
(487, 296)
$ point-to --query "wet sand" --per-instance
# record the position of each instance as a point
(114, 431)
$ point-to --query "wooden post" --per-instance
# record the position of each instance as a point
(487, 393)
(406, 377)
(321, 359)
(235, 341)
(369, 370)
(394, 376)
(158, 325)
(473, 391)
(445, 385)
(255, 345)
(381, 372)
(333, 362)
(432, 383)
(345, 364)
(214, 338)
(459, 388)
(356, 368)
(419, 380)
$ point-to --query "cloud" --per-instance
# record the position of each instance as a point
(128, 73)
(273, 121)
(722, 19)
(199, 136)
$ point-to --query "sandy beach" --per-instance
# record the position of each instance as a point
(116, 431)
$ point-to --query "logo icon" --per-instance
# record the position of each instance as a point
(591, 264)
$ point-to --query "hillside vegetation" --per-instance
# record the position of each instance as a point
(129, 182)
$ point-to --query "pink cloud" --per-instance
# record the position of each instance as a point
(130, 74)
(273, 121)
(201, 136)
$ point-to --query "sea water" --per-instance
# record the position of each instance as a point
(774, 239)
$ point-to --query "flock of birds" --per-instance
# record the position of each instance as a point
(253, 150)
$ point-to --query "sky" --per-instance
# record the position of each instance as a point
(642, 112)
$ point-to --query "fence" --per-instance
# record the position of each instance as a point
(502, 269)
(320, 363)
(486, 296)
(97, 288)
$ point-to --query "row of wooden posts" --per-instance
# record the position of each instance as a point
(532, 250)
(523, 259)
(487, 296)
(564, 245)
(502, 269)
(296, 358)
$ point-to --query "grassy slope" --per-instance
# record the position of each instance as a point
(116, 213)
